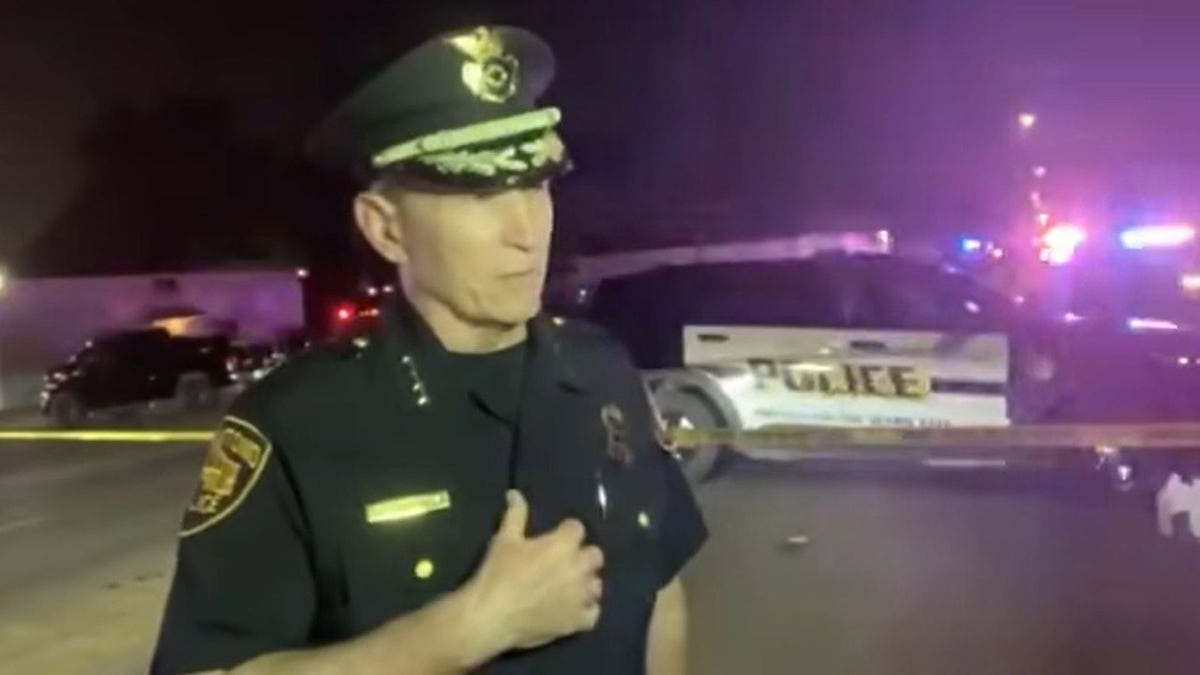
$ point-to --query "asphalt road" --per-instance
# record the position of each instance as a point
(86, 545)
(901, 574)
(935, 573)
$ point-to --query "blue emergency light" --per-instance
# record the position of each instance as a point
(1171, 235)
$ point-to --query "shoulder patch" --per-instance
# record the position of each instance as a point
(235, 460)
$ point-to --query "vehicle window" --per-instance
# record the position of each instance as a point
(790, 294)
(126, 352)
(295, 344)
(90, 356)
(914, 297)
(1120, 294)
(637, 310)
(131, 347)
(648, 312)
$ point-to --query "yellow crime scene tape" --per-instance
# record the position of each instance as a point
(1131, 436)
(105, 436)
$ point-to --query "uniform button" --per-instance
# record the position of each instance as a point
(424, 569)
(644, 520)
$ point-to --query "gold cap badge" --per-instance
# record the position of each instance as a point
(490, 73)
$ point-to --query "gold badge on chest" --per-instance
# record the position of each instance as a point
(617, 435)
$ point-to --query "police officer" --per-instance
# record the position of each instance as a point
(468, 486)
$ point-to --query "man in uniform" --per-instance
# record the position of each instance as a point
(469, 486)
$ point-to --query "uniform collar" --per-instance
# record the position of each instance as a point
(409, 341)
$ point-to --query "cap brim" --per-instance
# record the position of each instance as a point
(512, 162)
(453, 139)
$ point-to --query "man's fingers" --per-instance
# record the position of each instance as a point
(595, 590)
(516, 516)
(590, 617)
(593, 558)
(571, 531)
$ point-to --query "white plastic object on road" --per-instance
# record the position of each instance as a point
(1175, 498)
(796, 541)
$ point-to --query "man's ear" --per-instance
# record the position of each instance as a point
(379, 221)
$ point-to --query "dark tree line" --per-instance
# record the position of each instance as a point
(173, 187)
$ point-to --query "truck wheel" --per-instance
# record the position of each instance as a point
(688, 409)
(196, 391)
(66, 411)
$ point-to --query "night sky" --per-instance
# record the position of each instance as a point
(685, 116)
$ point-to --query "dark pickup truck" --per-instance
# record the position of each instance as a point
(123, 370)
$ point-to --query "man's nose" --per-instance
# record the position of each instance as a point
(522, 219)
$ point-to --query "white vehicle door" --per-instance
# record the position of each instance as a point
(948, 322)
(772, 336)
(779, 376)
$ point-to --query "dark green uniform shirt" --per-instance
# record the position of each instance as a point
(359, 482)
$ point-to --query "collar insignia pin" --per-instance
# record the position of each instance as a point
(617, 443)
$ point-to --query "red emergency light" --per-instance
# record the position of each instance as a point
(1060, 242)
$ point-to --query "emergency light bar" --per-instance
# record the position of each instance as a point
(1141, 324)
(1158, 236)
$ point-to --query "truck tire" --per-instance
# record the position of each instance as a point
(196, 391)
(689, 408)
(66, 411)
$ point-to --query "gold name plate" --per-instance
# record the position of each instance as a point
(407, 507)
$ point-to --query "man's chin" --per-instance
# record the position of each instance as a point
(512, 315)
